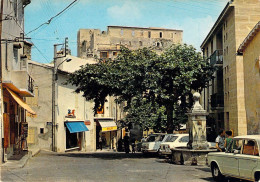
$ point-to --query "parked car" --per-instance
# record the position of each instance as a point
(175, 140)
(152, 143)
(241, 160)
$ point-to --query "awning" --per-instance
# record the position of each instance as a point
(108, 125)
(21, 102)
(75, 127)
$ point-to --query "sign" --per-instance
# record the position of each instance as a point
(112, 128)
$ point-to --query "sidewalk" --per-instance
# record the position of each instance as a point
(19, 163)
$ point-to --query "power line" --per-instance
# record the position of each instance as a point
(49, 21)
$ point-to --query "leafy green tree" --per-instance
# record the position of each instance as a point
(151, 84)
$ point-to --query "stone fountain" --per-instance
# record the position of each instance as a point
(197, 149)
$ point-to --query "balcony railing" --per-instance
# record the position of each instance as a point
(217, 100)
(217, 58)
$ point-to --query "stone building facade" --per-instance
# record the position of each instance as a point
(225, 97)
(16, 82)
(250, 49)
(106, 44)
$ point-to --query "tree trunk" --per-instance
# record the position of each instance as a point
(169, 110)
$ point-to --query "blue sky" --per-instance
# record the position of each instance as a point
(194, 17)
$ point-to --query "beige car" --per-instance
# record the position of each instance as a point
(241, 160)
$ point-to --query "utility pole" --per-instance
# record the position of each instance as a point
(1, 89)
(54, 87)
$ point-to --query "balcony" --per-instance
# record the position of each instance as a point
(216, 58)
(217, 101)
(21, 82)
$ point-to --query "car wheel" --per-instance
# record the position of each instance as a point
(216, 174)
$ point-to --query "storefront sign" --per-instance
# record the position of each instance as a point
(112, 128)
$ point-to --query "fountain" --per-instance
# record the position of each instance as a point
(197, 149)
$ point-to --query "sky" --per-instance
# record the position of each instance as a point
(194, 17)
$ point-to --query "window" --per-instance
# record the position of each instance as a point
(142, 33)
(184, 139)
(149, 34)
(140, 43)
(158, 44)
(122, 32)
(250, 148)
(114, 53)
(15, 55)
(41, 130)
(103, 54)
(133, 33)
(160, 34)
(130, 43)
(171, 35)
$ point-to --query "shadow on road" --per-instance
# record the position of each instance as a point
(103, 155)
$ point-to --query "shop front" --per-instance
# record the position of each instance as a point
(75, 134)
(106, 133)
(15, 125)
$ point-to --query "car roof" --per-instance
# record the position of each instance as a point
(253, 137)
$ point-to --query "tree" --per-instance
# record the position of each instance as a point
(148, 82)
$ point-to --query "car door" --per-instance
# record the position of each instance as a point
(230, 160)
(248, 159)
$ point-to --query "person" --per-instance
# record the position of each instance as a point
(126, 143)
(133, 145)
(220, 141)
(100, 142)
(228, 141)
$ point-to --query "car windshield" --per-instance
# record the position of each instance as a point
(155, 138)
(171, 138)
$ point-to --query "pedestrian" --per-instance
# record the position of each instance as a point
(100, 142)
(220, 141)
(126, 143)
(133, 145)
(228, 141)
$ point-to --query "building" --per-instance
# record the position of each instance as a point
(16, 82)
(225, 97)
(250, 49)
(106, 44)
(76, 125)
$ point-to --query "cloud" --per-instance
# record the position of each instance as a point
(195, 30)
(126, 14)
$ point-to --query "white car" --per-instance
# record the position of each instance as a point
(241, 160)
(175, 140)
(152, 143)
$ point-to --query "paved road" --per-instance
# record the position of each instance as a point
(103, 167)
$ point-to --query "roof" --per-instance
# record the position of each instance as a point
(253, 137)
(219, 20)
(150, 28)
(249, 38)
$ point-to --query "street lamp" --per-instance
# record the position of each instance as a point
(54, 95)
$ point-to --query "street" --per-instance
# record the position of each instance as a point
(103, 166)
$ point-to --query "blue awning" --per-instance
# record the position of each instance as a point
(75, 127)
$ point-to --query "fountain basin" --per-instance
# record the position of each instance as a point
(185, 156)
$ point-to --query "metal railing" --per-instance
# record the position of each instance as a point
(216, 57)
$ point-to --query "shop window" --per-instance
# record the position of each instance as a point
(160, 34)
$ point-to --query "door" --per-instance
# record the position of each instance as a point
(230, 160)
(248, 159)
